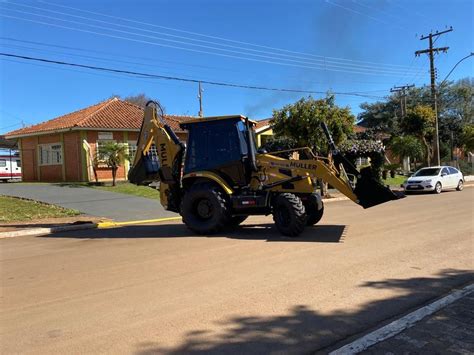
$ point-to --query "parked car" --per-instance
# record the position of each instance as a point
(10, 168)
(435, 179)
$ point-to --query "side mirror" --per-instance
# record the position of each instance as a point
(443, 174)
(262, 151)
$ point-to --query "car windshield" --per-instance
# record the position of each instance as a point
(427, 172)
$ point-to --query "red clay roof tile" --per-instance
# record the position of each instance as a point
(111, 114)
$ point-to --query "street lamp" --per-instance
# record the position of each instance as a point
(438, 158)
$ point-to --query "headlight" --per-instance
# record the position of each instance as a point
(427, 181)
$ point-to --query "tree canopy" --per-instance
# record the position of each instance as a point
(301, 122)
(455, 101)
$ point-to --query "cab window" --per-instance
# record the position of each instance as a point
(453, 170)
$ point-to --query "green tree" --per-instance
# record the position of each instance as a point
(114, 155)
(138, 99)
(420, 122)
(455, 101)
(301, 121)
(407, 147)
(467, 137)
(277, 143)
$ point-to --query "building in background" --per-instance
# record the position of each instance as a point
(62, 149)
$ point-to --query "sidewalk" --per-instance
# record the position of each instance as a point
(93, 202)
(448, 331)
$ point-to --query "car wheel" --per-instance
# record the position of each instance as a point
(460, 185)
(438, 188)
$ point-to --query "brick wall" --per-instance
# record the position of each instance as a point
(72, 150)
(72, 156)
(29, 159)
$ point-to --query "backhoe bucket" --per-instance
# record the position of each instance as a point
(145, 170)
(372, 192)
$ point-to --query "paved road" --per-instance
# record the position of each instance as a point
(160, 289)
(94, 202)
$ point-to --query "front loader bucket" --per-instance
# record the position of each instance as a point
(371, 192)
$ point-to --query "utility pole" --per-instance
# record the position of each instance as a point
(200, 100)
(431, 51)
(399, 90)
(403, 96)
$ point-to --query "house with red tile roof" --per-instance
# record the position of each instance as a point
(62, 149)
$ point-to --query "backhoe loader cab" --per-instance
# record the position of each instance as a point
(222, 145)
(217, 179)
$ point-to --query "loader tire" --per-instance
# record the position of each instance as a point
(311, 207)
(236, 220)
(205, 209)
(289, 214)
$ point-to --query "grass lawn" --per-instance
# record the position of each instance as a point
(131, 189)
(396, 181)
(16, 209)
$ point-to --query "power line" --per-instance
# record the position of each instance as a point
(301, 59)
(114, 55)
(164, 77)
(364, 14)
(403, 97)
(350, 68)
(213, 37)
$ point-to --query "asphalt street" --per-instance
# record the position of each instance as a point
(147, 289)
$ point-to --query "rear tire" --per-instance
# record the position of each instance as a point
(438, 188)
(289, 214)
(204, 209)
(311, 207)
(460, 185)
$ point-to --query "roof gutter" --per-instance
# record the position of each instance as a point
(41, 133)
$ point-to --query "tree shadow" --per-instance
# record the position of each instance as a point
(268, 232)
(305, 330)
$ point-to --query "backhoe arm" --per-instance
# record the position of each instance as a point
(164, 166)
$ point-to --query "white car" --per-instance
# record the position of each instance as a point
(435, 179)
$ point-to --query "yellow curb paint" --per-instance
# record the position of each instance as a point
(119, 224)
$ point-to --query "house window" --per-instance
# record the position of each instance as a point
(153, 151)
(132, 150)
(3, 163)
(362, 161)
(50, 154)
(99, 146)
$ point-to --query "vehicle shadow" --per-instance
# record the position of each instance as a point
(320, 234)
(307, 330)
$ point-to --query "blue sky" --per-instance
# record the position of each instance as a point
(348, 46)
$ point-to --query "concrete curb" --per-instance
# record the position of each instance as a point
(43, 231)
(405, 322)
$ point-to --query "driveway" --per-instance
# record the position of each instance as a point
(161, 289)
(94, 202)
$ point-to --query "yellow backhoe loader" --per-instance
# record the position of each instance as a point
(219, 178)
